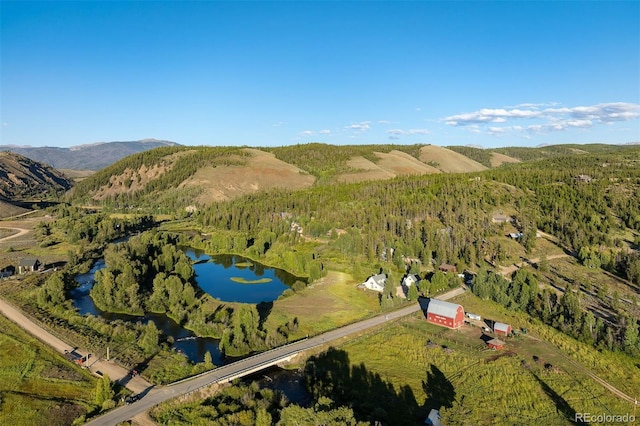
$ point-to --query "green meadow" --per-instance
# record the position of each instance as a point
(37, 385)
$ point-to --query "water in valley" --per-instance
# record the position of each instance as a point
(228, 278)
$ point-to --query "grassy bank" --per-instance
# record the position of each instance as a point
(37, 385)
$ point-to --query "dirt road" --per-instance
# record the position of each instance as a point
(508, 270)
(114, 371)
(20, 233)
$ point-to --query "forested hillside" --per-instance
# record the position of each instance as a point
(589, 203)
(174, 177)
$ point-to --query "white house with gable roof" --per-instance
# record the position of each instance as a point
(375, 283)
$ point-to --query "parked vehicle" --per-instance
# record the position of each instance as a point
(131, 399)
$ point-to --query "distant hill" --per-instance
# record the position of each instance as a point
(181, 175)
(86, 157)
(24, 179)
(174, 177)
(551, 151)
(449, 161)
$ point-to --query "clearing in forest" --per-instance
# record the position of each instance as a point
(389, 165)
(449, 161)
(498, 159)
(262, 171)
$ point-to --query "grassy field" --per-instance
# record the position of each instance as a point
(38, 386)
(595, 283)
(530, 381)
(333, 301)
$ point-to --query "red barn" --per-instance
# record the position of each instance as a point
(502, 328)
(444, 313)
(495, 344)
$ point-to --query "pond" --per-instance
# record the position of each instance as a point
(228, 278)
(232, 278)
(184, 340)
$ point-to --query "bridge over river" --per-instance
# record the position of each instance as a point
(155, 395)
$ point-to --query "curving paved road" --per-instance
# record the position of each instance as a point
(151, 396)
(249, 365)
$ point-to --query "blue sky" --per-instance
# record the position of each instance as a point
(279, 73)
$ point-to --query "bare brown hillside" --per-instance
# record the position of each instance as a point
(261, 171)
(390, 165)
(449, 161)
(498, 159)
(22, 178)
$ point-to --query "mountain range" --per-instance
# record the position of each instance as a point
(94, 156)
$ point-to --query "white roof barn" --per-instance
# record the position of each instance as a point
(444, 313)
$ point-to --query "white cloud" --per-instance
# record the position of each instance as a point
(325, 132)
(307, 133)
(487, 115)
(384, 122)
(474, 128)
(279, 124)
(361, 127)
(547, 117)
(398, 132)
(418, 131)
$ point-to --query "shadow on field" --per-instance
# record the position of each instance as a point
(440, 391)
(372, 399)
(561, 404)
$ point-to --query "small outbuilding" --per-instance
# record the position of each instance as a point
(28, 265)
(433, 419)
(445, 267)
(500, 218)
(496, 344)
(445, 313)
(501, 328)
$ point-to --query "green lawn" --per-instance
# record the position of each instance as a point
(331, 302)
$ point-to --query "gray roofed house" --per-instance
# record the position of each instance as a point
(375, 282)
(28, 265)
(410, 280)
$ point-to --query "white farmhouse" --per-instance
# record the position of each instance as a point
(409, 280)
(375, 282)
